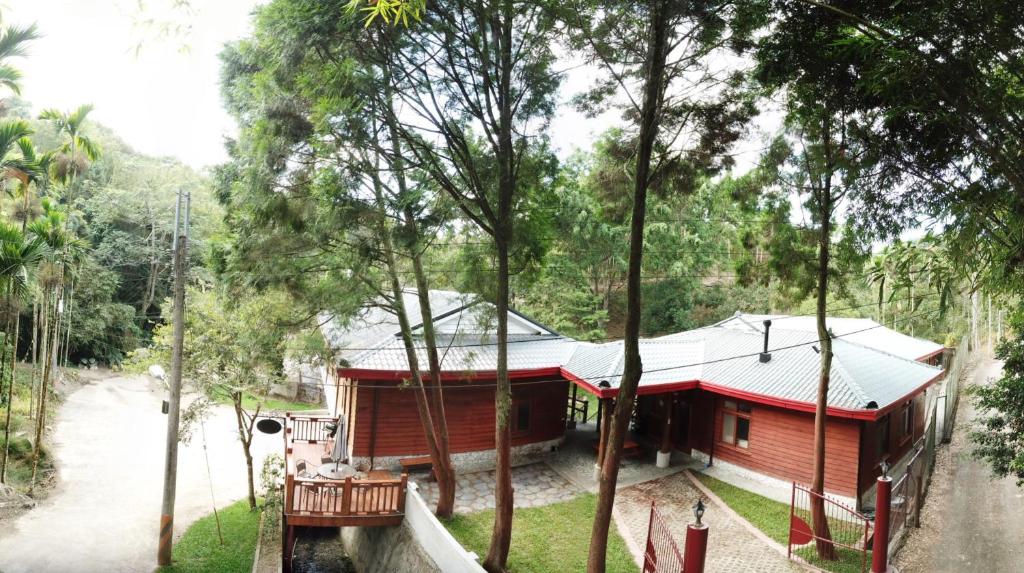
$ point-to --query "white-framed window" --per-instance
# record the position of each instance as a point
(736, 423)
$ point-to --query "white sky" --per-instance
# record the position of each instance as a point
(165, 101)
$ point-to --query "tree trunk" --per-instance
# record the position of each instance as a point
(444, 470)
(501, 533)
(826, 550)
(34, 353)
(246, 439)
(10, 400)
(48, 356)
(654, 72)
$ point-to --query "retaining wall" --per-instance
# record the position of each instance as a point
(420, 545)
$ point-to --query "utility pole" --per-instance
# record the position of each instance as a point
(180, 247)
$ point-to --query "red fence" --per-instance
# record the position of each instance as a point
(844, 539)
(662, 554)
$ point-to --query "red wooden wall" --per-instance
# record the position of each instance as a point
(781, 444)
(469, 409)
(899, 443)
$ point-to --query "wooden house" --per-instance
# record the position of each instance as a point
(713, 393)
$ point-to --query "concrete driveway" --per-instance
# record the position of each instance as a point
(970, 521)
(109, 448)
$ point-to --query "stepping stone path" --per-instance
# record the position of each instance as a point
(535, 485)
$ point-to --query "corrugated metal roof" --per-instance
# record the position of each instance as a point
(860, 330)
(725, 354)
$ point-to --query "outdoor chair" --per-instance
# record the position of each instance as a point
(302, 470)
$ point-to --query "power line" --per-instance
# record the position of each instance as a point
(600, 339)
(619, 374)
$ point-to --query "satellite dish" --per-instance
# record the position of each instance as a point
(156, 371)
(268, 426)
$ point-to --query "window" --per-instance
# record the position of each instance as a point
(883, 436)
(520, 418)
(907, 421)
(736, 423)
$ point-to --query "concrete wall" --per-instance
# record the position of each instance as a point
(420, 545)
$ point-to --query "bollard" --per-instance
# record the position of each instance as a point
(880, 546)
(696, 548)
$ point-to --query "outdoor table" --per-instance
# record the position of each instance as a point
(332, 470)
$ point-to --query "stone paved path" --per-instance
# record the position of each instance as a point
(535, 484)
(731, 548)
(970, 521)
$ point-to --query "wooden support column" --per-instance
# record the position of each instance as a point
(598, 419)
(572, 416)
(666, 430)
(665, 451)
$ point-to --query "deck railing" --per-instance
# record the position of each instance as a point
(352, 497)
(323, 502)
(311, 430)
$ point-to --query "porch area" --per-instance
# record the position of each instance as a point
(312, 499)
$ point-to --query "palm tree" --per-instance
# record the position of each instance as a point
(13, 41)
(13, 164)
(60, 243)
(19, 256)
(70, 160)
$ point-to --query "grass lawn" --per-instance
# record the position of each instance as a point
(250, 401)
(200, 551)
(772, 518)
(550, 538)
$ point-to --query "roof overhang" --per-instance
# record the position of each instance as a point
(448, 376)
(930, 355)
(868, 414)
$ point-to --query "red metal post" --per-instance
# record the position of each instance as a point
(696, 548)
(880, 546)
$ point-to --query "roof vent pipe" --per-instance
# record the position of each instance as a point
(765, 355)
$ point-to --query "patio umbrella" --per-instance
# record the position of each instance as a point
(340, 453)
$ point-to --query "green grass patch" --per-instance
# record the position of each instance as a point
(554, 537)
(250, 401)
(200, 551)
(772, 518)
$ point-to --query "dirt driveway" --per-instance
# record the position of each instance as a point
(104, 514)
(970, 521)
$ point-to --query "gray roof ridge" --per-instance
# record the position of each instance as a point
(849, 380)
(844, 340)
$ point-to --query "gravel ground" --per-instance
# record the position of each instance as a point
(970, 521)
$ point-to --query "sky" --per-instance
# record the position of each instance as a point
(161, 93)
(162, 99)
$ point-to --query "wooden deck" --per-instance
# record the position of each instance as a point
(322, 502)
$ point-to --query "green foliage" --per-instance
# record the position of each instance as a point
(546, 538)
(999, 434)
(102, 328)
(390, 11)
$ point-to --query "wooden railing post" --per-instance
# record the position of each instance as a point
(401, 492)
(346, 497)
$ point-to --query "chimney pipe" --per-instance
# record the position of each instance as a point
(765, 355)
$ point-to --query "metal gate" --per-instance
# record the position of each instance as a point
(845, 541)
(662, 555)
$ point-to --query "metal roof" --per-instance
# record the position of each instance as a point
(860, 330)
(724, 356)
